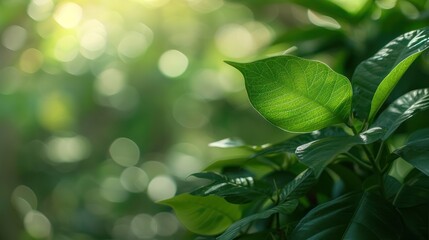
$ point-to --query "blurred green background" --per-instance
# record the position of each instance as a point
(107, 107)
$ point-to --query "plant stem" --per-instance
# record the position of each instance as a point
(358, 160)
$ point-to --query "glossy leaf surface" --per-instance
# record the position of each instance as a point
(209, 215)
(416, 152)
(291, 144)
(413, 191)
(235, 190)
(375, 78)
(298, 186)
(353, 216)
(295, 94)
(402, 109)
(318, 154)
(285, 208)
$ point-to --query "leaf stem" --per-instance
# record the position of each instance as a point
(358, 160)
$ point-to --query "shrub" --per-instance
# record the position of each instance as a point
(341, 177)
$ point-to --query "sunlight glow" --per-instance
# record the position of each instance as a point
(37, 225)
(173, 63)
(144, 226)
(110, 82)
(161, 188)
(68, 149)
(14, 37)
(125, 152)
(112, 190)
(39, 10)
(31, 60)
(134, 179)
(68, 15)
(167, 224)
(24, 199)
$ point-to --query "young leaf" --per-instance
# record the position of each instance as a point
(375, 78)
(353, 216)
(296, 94)
(318, 154)
(234, 229)
(402, 109)
(209, 215)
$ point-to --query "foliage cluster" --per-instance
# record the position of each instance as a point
(341, 178)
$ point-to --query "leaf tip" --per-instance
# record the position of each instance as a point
(236, 65)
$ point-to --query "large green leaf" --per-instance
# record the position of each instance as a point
(353, 216)
(284, 208)
(376, 77)
(318, 154)
(209, 215)
(296, 94)
(402, 109)
(416, 152)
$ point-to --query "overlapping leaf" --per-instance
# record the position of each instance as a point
(416, 152)
(413, 191)
(318, 154)
(291, 144)
(295, 94)
(402, 109)
(353, 216)
(235, 190)
(284, 208)
(209, 215)
(376, 77)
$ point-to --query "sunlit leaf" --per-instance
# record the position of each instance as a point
(318, 154)
(234, 229)
(353, 216)
(295, 94)
(402, 109)
(209, 215)
(375, 78)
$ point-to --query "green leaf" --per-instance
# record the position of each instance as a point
(375, 78)
(291, 144)
(235, 190)
(284, 208)
(209, 215)
(298, 186)
(416, 153)
(296, 94)
(417, 221)
(320, 153)
(402, 109)
(414, 191)
(353, 216)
